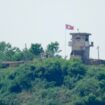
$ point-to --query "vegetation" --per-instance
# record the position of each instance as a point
(53, 81)
(9, 53)
(50, 81)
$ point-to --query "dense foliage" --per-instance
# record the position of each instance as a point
(53, 81)
(10, 53)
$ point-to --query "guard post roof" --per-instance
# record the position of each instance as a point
(80, 33)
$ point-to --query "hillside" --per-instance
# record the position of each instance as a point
(53, 81)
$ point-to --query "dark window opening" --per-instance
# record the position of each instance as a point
(78, 38)
(87, 38)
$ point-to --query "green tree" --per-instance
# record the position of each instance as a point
(27, 55)
(36, 49)
(53, 49)
(6, 51)
(4, 46)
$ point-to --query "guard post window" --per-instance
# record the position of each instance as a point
(86, 38)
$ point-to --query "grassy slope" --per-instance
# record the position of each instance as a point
(53, 82)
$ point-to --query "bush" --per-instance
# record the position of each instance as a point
(53, 81)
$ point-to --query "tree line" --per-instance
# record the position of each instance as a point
(9, 53)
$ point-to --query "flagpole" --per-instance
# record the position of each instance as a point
(98, 51)
(67, 27)
(65, 43)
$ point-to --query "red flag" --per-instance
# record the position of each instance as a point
(69, 27)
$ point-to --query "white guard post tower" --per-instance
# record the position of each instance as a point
(80, 46)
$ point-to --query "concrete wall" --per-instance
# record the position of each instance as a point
(80, 45)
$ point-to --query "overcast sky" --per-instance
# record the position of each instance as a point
(43, 21)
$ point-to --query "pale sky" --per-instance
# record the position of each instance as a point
(43, 21)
